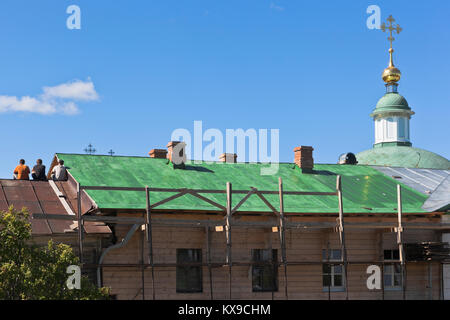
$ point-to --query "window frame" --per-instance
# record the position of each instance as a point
(331, 261)
(186, 269)
(391, 261)
(261, 269)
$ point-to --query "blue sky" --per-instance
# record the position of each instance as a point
(308, 68)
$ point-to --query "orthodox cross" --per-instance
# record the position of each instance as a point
(111, 152)
(392, 28)
(90, 149)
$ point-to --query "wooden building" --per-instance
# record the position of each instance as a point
(222, 230)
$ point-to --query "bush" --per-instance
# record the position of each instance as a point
(30, 272)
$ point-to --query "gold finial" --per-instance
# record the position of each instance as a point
(391, 74)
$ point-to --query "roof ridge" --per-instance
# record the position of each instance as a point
(192, 160)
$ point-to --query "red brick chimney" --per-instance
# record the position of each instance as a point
(176, 153)
(304, 159)
(158, 153)
(228, 157)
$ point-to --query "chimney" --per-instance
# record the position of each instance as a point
(158, 153)
(176, 153)
(228, 157)
(303, 158)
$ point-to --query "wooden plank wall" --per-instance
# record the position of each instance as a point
(304, 282)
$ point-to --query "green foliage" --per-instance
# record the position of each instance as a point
(29, 272)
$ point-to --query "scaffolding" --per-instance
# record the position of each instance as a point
(280, 222)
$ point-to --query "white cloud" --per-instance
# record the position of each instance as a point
(25, 104)
(275, 7)
(69, 108)
(76, 90)
(57, 99)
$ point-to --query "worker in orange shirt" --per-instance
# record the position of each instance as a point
(22, 172)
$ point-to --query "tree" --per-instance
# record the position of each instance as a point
(30, 272)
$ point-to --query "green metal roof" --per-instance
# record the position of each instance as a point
(402, 156)
(393, 99)
(365, 190)
(392, 102)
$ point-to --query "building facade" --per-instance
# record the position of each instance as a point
(194, 251)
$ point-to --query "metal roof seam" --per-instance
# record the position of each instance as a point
(417, 173)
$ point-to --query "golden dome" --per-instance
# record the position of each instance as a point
(391, 73)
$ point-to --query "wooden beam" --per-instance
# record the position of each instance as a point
(195, 194)
(101, 188)
(220, 264)
(168, 199)
(441, 281)
(342, 232)
(405, 225)
(106, 219)
(304, 193)
(267, 203)
(237, 223)
(400, 240)
(310, 225)
(148, 227)
(283, 236)
(80, 223)
(208, 260)
(242, 201)
(328, 262)
(187, 223)
(228, 233)
(194, 190)
(142, 265)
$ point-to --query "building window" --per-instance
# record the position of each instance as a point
(407, 130)
(189, 278)
(379, 129)
(401, 128)
(391, 128)
(332, 273)
(265, 276)
(392, 271)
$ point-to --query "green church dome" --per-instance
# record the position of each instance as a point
(402, 156)
(392, 99)
(392, 102)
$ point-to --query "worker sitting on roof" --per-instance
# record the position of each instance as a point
(59, 172)
(21, 172)
(38, 172)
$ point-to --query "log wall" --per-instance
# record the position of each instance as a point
(304, 281)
